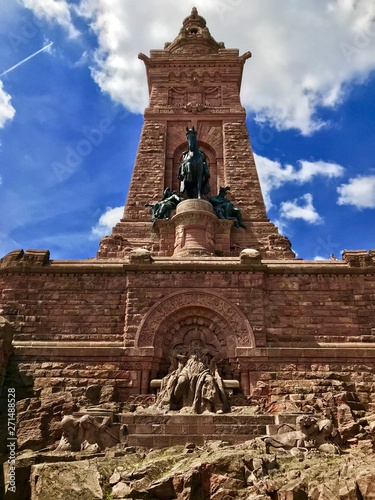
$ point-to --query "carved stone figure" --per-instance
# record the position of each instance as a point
(163, 208)
(310, 432)
(193, 171)
(225, 209)
(87, 434)
(69, 439)
(193, 381)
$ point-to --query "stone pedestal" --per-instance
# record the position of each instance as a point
(160, 431)
(194, 228)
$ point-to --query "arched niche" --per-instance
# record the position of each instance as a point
(168, 322)
(211, 156)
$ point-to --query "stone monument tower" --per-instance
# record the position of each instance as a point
(194, 85)
(204, 282)
(195, 82)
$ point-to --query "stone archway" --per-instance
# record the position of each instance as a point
(223, 324)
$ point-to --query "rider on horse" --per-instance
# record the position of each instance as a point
(193, 171)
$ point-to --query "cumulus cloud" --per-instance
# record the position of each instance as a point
(301, 208)
(53, 10)
(273, 175)
(6, 109)
(359, 191)
(106, 222)
(303, 58)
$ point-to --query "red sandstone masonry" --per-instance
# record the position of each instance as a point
(65, 307)
(200, 89)
(112, 321)
(156, 431)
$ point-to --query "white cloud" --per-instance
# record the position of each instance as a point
(273, 175)
(6, 109)
(53, 10)
(303, 58)
(311, 168)
(360, 192)
(106, 222)
(301, 208)
(298, 62)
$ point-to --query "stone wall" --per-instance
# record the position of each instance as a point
(320, 307)
(64, 305)
(80, 324)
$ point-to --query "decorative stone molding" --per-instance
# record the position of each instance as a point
(140, 255)
(359, 258)
(236, 326)
(250, 256)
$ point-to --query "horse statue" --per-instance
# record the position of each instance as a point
(193, 172)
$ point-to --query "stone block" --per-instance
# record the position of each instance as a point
(53, 480)
(162, 441)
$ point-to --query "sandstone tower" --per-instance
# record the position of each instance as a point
(195, 81)
(288, 331)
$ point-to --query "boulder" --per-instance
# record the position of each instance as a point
(60, 481)
(366, 484)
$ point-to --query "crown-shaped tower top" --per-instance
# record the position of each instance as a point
(193, 35)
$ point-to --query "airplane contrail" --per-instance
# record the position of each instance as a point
(26, 59)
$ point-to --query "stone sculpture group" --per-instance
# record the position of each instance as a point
(194, 381)
(310, 432)
(194, 185)
(87, 434)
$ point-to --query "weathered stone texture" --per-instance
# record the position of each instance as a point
(297, 335)
(147, 182)
(80, 479)
(95, 314)
(6, 336)
(64, 306)
(324, 308)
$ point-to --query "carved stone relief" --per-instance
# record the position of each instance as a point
(226, 317)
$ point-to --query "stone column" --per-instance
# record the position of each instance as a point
(145, 381)
(194, 228)
(245, 386)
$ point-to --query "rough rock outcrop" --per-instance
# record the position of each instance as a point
(213, 471)
(60, 481)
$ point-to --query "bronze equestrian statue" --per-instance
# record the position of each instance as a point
(193, 172)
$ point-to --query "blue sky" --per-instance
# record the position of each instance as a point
(71, 116)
